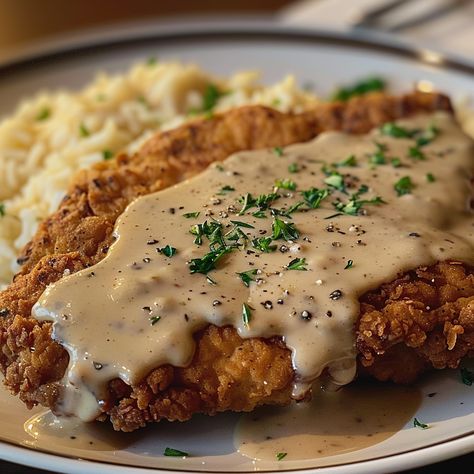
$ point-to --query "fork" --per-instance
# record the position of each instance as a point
(373, 17)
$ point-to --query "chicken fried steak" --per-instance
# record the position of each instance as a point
(423, 319)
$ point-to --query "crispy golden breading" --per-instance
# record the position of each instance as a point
(227, 373)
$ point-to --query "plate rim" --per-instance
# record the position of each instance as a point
(231, 31)
(55, 50)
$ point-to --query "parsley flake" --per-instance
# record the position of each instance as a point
(208, 262)
(246, 314)
(379, 158)
(393, 130)
(416, 153)
(168, 251)
(349, 161)
(280, 456)
(354, 205)
(314, 196)
(107, 155)
(83, 130)
(211, 96)
(243, 224)
(154, 319)
(419, 424)
(264, 244)
(43, 114)
(278, 150)
(336, 180)
(225, 189)
(430, 178)
(246, 277)
(174, 452)
(297, 264)
(285, 184)
(2, 209)
(293, 168)
(350, 264)
(371, 84)
(191, 215)
(396, 162)
(403, 186)
(284, 230)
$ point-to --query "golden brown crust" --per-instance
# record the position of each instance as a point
(227, 373)
(423, 319)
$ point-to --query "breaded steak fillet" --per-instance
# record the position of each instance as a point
(424, 319)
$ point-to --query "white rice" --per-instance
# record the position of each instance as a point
(54, 134)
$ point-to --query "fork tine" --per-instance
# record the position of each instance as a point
(429, 16)
(370, 16)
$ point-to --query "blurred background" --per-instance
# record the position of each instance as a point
(443, 24)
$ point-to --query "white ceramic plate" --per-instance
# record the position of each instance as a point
(325, 59)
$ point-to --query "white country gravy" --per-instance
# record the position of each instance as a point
(394, 204)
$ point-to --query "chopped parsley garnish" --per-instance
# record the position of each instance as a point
(246, 277)
(361, 87)
(430, 178)
(174, 452)
(416, 153)
(336, 180)
(285, 184)
(154, 319)
(293, 208)
(83, 130)
(208, 262)
(419, 424)
(280, 456)
(2, 209)
(151, 61)
(297, 264)
(246, 314)
(467, 376)
(379, 158)
(262, 202)
(314, 196)
(393, 130)
(191, 215)
(349, 161)
(107, 154)
(350, 264)
(422, 137)
(284, 230)
(278, 150)
(43, 114)
(212, 230)
(353, 206)
(168, 251)
(264, 244)
(211, 97)
(293, 168)
(396, 162)
(243, 224)
(427, 136)
(404, 186)
(225, 189)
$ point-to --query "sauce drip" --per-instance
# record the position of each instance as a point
(353, 418)
(394, 204)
